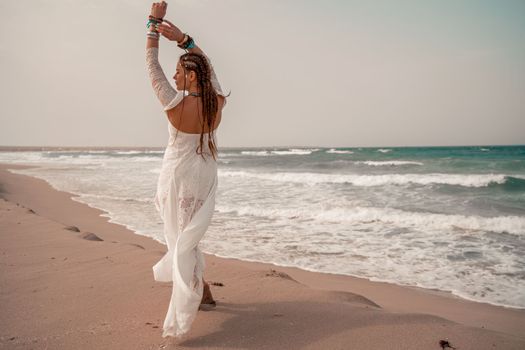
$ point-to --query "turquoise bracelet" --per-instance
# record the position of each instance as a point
(151, 21)
(188, 44)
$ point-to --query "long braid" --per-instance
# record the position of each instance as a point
(199, 64)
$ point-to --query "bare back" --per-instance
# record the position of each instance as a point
(189, 119)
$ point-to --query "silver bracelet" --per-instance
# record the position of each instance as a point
(153, 35)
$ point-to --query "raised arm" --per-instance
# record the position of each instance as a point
(163, 89)
(173, 33)
(213, 76)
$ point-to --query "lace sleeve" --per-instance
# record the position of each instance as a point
(164, 91)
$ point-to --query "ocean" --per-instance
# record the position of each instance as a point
(446, 218)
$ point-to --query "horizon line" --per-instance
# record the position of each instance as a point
(40, 148)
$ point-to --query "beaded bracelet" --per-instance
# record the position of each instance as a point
(156, 18)
(153, 35)
(187, 43)
(150, 21)
(191, 44)
(184, 39)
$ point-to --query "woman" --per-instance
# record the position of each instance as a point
(185, 197)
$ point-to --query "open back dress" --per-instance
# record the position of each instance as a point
(185, 200)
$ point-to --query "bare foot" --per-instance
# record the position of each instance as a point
(207, 298)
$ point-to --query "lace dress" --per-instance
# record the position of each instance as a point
(185, 200)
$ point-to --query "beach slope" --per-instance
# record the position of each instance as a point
(72, 280)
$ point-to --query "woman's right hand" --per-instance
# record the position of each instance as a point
(170, 31)
(158, 9)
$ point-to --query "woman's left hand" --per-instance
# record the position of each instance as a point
(170, 31)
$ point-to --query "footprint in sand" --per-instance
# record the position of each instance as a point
(137, 245)
(275, 273)
(91, 237)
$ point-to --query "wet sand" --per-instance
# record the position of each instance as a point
(64, 289)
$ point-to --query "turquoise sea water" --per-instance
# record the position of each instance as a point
(449, 218)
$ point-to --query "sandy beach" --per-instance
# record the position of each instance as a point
(72, 280)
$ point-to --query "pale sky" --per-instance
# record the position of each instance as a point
(301, 73)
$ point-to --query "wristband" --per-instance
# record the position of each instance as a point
(191, 44)
(184, 38)
(156, 18)
(151, 21)
(153, 35)
(188, 43)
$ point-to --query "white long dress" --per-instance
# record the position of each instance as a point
(185, 200)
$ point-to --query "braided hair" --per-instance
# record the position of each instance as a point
(199, 64)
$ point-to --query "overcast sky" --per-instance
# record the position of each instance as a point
(301, 73)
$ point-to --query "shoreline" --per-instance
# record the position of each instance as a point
(494, 322)
(439, 292)
(75, 197)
